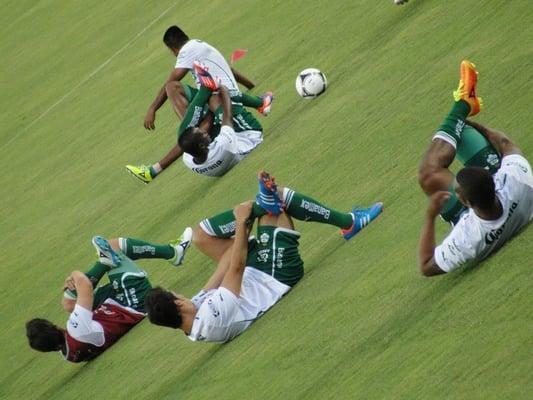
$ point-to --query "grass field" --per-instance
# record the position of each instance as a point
(75, 83)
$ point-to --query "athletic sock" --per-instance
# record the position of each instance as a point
(155, 170)
(223, 225)
(474, 150)
(195, 110)
(248, 100)
(136, 249)
(95, 273)
(452, 126)
(305, 208)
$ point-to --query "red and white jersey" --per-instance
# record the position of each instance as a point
(90, 333)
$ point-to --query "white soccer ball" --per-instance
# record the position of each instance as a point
(311, 83)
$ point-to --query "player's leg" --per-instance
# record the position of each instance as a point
(450, 139)
(180, 96)
(136, 249)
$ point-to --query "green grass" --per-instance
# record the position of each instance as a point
(362, 323)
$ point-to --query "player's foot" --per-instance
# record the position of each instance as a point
(268, 98)
(268, 197)
(180, 246)
(141, 172)
(204, 77)
(467, 88)
(104, 251)
(362, 217)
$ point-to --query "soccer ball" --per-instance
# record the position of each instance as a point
(311, 83)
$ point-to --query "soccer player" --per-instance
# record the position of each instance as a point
(100, 317)
(188, 103)
(252, 273)
(212, 154)
(486, 210)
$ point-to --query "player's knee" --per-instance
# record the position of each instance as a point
(200, 239)
(173, 87)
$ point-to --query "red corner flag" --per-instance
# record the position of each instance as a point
(237, 55)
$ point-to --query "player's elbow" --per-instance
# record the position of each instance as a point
(430, 268)
(68, 304)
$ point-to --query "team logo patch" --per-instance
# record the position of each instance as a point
(115, 284)
(264, 238)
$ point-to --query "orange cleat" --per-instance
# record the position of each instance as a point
(467, 88)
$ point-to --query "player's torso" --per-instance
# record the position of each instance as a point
(517, 204)
(220, 159)
(115, 321)
(215, 63)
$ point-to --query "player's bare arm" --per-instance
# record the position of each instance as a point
(233, 278)
(240, 78)
(84, 288)
(499, 140)
(227, 116)
(427, 243)
(176, 74)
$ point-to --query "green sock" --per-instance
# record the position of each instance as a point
(453, 208)
(195, 110)
(137, 249)
(248, 100)
(453, 124)
(474, 150)
(305, 208)
(223, 225)
(95, 273)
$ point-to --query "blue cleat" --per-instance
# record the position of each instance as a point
(362, 217)
(268, 197)
(106, 254)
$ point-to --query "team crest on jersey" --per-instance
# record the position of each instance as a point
(115, 284)
(264, 238)
(492, 159)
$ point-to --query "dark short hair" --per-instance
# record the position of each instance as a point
(477, 186)
(44, 336)
(161, 309)
(190, 142)
(174, 37)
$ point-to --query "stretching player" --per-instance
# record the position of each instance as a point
(252, 274)
(486, 209)
(188, 103)
(100, 317)
(215, 153)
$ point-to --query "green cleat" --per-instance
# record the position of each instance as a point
(141, 172)
(180, 246)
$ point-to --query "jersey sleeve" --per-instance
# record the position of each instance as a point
(518, 167)
(81, 327)
(454, 251)
(216, 313)
(228, 139)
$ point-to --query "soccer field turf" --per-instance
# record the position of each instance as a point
(76, 81)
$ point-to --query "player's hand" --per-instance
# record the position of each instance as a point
(149, 120)
(243, 211)
(436, 203)
(69, 284)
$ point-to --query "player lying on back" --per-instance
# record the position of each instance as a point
(100, 317)
(214, 152)
(252, 273)
(188, 103)
(487, 210)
